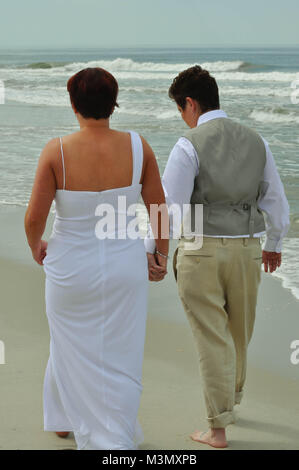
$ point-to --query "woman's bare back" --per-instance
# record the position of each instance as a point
(95, 160)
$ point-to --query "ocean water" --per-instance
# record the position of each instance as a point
(258, 87)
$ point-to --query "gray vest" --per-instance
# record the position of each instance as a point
(232, 159)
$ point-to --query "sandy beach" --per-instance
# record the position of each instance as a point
(172, 403)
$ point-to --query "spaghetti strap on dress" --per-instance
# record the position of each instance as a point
(62, 159)
(96, 302)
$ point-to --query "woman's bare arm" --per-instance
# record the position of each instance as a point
(153, 196)
(43, 193)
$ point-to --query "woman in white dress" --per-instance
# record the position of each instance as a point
(96, 273)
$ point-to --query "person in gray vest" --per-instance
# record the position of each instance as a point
(229, 169)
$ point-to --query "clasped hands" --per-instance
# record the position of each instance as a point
(157, 267)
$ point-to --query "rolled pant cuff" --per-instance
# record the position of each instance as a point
(222, 420)
(238, 397)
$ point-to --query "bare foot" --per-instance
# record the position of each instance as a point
(62, 434)
(214, 437)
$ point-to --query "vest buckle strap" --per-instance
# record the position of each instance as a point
(242, 205)
(251, 222)
(246, 206)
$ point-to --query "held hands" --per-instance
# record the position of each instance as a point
(271, 260)
(157, 267)
(39, 252)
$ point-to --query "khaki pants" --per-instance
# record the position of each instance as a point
(218, 286)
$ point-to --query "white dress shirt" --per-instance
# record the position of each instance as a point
(178, 183)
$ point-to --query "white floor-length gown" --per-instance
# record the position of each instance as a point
(96, 302)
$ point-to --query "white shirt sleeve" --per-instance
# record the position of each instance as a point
(178, 182)
(275, 205)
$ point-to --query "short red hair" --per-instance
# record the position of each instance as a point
(93, 92)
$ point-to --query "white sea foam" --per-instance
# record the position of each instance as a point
(143, 89)
(39, 97)
(3, 202)
(125, 68)
(62, 73)
(259, 76)
(255, 91)
(289, 269)
(61, 98)
(127, 64)
(149, 112)
(32, 93)
(45, 96)
(274, 116)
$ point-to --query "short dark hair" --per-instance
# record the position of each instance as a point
(93, 92)
(198, 84)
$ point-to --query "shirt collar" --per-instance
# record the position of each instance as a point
(216, 113)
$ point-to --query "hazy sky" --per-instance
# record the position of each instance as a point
(104, 23)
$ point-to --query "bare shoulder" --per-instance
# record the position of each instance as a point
(148, 152)
(51, 144)
(50, 150)
(125, 135)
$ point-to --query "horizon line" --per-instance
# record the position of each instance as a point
(149, 46)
